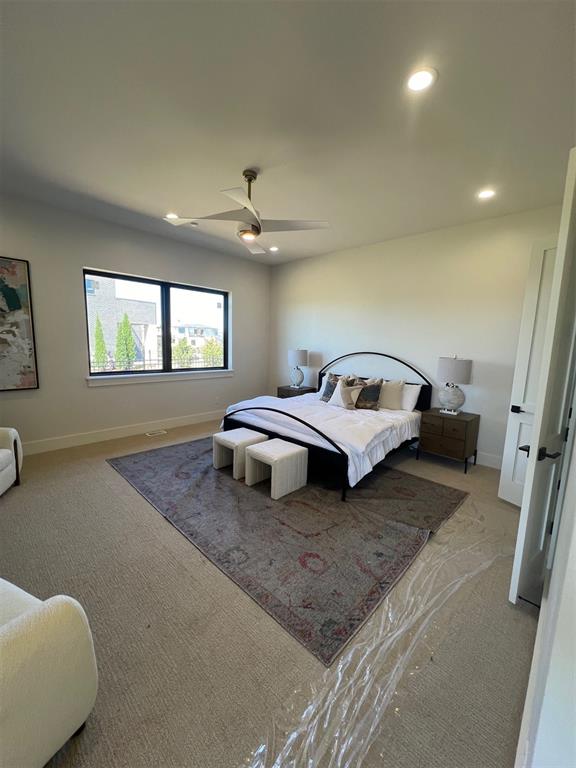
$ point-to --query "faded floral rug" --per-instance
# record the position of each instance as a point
(317, 565)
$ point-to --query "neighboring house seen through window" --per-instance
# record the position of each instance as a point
(136, 325)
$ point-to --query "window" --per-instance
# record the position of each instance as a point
(143, 326)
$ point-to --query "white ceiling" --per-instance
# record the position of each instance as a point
(128, 110)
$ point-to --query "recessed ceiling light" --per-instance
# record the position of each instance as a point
(172, 216)
(485, 194)
(274, 248)
(422, 79)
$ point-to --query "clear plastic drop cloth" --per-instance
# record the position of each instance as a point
(335, 721)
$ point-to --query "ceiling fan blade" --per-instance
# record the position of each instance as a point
(179, 221)
(291, 225)
(239, 196)
(240, 214)
(253, 247)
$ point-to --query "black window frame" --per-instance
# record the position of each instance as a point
(165, 287)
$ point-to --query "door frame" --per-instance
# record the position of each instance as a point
(563, 264)
(554, 587)
(554, 641)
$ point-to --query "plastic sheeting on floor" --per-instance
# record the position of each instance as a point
(335, 722)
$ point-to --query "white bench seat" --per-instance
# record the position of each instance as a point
(285, 463)
(229, 448)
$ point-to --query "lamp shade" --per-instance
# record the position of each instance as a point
(297, 357)
(453, 370)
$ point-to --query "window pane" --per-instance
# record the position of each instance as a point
(124, 324)
(197, 328)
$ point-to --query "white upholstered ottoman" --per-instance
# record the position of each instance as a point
(286, 464)
(229, 448)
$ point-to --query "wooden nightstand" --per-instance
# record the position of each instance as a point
(453, 436)
(288, 391)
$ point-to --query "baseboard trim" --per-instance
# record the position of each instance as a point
(493, 460)
(112, 433)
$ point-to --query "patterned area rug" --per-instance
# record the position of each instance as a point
(318, 565)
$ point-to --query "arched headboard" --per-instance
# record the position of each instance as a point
(425, 397)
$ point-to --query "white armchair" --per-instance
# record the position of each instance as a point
(10, 458)
(48, 676)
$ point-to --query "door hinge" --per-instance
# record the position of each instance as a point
(566, 434)
(551, 527)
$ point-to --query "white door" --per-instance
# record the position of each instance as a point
(552, 411)
(527, 372)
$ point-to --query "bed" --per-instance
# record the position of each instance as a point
(346, 442)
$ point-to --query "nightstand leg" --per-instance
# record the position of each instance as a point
(475, 457)
(466, 465)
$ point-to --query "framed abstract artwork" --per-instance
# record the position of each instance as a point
(17, 346)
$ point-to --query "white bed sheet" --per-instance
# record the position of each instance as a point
(366, 436)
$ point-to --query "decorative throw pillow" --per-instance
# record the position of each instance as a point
(410, 396)
(331, 382)
(329, 387)
(369, 394)
(391, 395)
(345, 396)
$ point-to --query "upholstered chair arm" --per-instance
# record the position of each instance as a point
(8, 437)
(48, 681)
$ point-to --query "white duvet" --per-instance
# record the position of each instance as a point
(366, 436)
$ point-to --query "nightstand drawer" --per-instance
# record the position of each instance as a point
(447, 446)
(431, 424)
(453, 428)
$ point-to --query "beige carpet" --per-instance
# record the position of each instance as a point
(193, 673)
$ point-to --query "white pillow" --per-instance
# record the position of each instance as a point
(345, 396)
(410, 395)
(391, 395)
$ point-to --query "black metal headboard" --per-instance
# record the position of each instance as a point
(425, 396)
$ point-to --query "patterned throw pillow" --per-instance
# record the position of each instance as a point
(331, 381)
(329, 387)
(345, 395)
(369, 394)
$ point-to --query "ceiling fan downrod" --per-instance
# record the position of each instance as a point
(250, 175)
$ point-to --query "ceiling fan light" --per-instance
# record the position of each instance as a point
(171, 216)
(249, 233)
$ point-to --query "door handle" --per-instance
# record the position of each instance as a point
(542, 454)
(516, 409)
(525, 448)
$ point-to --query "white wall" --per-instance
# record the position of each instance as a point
(451, 291)
(58, 245)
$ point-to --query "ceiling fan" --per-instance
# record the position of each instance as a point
(251, 224)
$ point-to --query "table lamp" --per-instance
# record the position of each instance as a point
(296, 358)
(453, 371)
